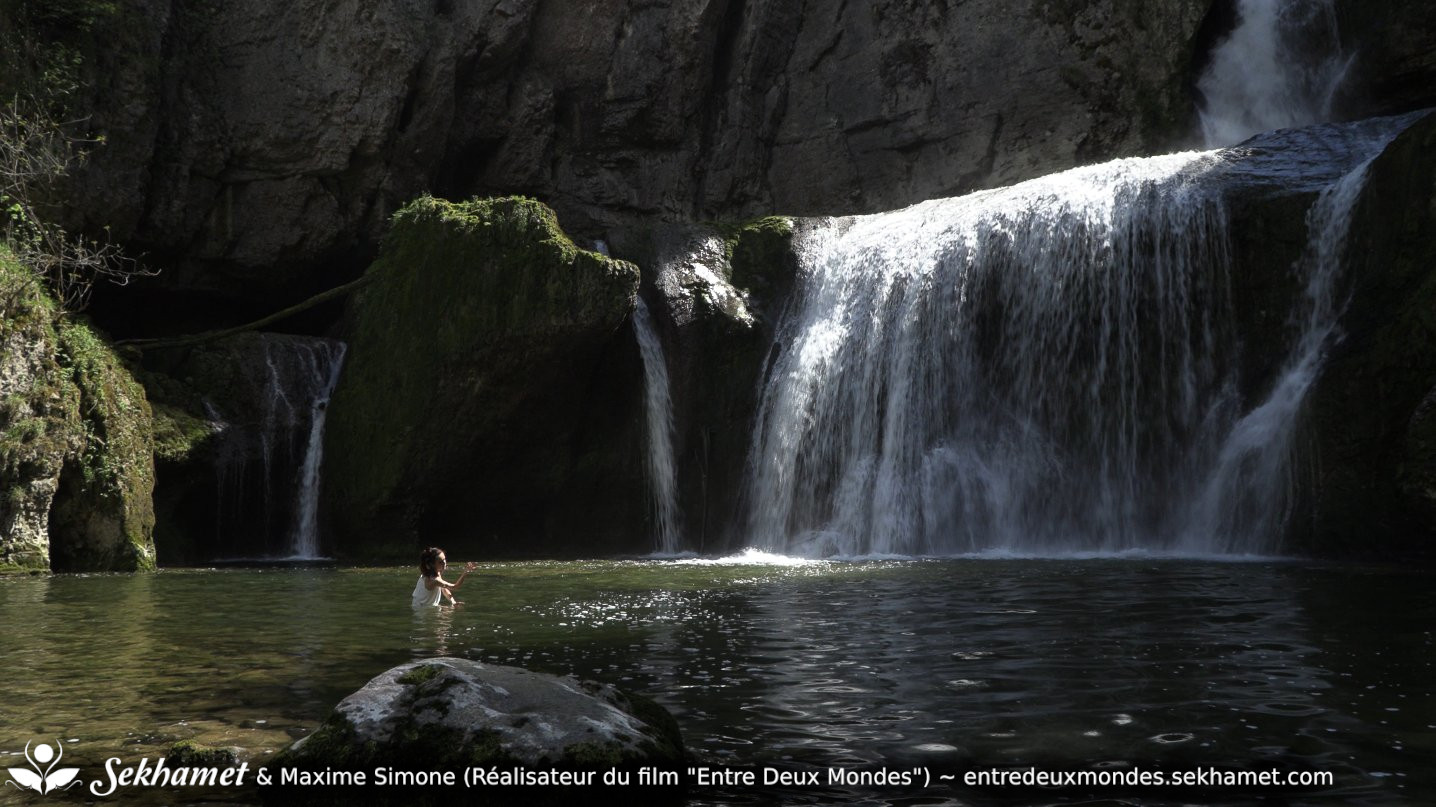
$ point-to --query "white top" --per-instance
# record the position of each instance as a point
(423, 597)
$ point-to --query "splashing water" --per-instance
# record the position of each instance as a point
(1280, 67)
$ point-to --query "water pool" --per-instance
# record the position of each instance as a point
(952, 664)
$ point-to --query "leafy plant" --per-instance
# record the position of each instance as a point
(40, 145)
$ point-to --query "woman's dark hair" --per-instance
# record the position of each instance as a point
(429, 561)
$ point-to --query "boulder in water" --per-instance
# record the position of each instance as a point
(453, 715)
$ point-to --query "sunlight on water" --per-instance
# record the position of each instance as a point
(769, 660)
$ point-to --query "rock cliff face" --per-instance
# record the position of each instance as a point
(1374, 442)
(248, 143)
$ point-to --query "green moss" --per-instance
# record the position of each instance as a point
(82, 418)
(116, 460)
(761, 256)
(470, 305)
(177, 433)
(193, 754)
(24, 563)
(420, 674)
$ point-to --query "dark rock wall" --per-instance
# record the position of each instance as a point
(1373, 456)
(250, 142)
(1393, 49)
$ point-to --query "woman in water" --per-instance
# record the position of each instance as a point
(432, 588)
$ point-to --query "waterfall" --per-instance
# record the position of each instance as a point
(1248, 489)
(1048, 368)
(305, 542)
(1280, 67)
(662, 471)
(270, 449)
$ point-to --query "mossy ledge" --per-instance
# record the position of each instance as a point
(76, 441)
(476, 356)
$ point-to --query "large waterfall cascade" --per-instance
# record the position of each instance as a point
(269, 460)
(1047, 368)
(1280, 67)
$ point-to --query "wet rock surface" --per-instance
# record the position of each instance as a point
(451, 714)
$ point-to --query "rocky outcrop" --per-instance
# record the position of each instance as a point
(490, 399)
(717, 293)
(450, 714)
(76, 444)
(1373, 450)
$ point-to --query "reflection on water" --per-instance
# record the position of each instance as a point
(951, 664)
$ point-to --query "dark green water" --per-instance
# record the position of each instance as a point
(954, 664)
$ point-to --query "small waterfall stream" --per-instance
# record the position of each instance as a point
(1048, 368)
(305, 542)
(271, 450)
(662, 470)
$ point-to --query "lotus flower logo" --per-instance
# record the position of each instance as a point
(48, 778)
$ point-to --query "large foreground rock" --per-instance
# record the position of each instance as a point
(450, 714)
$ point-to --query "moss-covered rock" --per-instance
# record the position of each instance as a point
(1373, 459)
(489, 397)
(76, 441)
(449, 714)
(38, 413)
(103, 516)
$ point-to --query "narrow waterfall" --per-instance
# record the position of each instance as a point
(1280, 67)
(306, 524)
(1048, 368)
(1245, 502)
(662, 471)
(270, 449)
